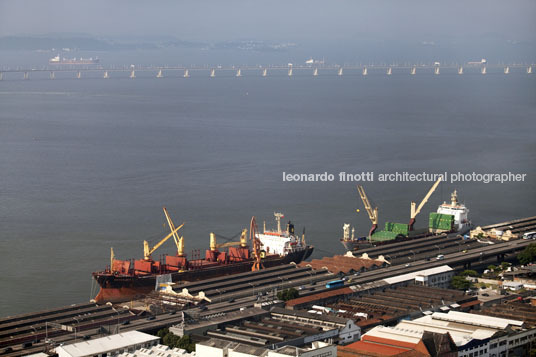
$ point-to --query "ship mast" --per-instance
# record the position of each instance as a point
(278, 217)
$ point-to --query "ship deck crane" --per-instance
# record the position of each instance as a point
(242, 242)
(372, 213)
(147, 251)
(179, 241)
(416, 211)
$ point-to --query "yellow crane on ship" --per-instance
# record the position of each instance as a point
(242, 242)
(147, 251)
(372, 213)
(416, 210)
(179, 241)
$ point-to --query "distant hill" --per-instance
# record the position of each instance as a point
(84, 43)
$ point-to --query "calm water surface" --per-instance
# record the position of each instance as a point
(86, 165)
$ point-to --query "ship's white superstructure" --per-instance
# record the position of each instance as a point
(458, 210)
(280, 242)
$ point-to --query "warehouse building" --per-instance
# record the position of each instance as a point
(109, 346)
(474, 335)
(222, 348)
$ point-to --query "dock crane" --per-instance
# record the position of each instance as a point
(148, 251)
(257, 264)
(372, 213)
(416, 211)
(179, 241)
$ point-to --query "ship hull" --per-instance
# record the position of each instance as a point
(119, 288)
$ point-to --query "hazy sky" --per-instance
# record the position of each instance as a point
(280, 20)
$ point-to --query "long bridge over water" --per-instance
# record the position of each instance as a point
(314, 70)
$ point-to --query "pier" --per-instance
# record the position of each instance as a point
(41, 331)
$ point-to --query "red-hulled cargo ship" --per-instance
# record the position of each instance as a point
(124, 280)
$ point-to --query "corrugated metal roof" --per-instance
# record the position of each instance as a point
(343, 263)
(319, 296)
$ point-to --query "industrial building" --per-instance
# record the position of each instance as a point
(110, 345)
(388, 306)
(438, 277)
(272, 329)
(158, 350)
(515, 308)
(414, 345)
(222, 348)
(474, 335)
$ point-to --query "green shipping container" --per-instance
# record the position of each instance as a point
(441, 221)
(384, 235)
(399, 228)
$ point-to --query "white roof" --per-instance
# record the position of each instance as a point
(411, 276)
(158, 351)
(512, 283)
(105, 344)
(462, 326)
(477, 320)
(395, 333)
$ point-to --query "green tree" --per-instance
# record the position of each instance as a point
(288, 294)
(505, 265)
(162, 332)
(528, 254)
(492, 267)
(469, 272)
(460, 282)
